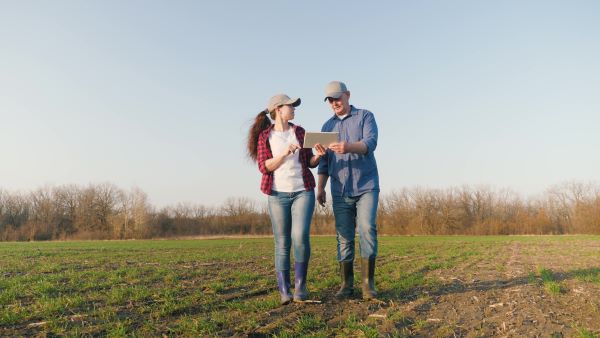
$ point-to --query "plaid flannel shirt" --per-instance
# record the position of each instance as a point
(264, 153)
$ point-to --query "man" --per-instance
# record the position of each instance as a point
(350, 163)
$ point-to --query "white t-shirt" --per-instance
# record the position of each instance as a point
(288, 177)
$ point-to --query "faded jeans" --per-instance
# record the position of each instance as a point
(352, 213)
(291, 213)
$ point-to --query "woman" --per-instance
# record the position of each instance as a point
(286, 178)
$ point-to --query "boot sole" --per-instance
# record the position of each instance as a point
(344, 295)
(300, 299)
(368, 295)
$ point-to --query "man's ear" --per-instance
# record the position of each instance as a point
(348, 94)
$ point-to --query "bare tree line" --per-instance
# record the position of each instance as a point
(104, 211)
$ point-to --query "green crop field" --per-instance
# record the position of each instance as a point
(428, 286)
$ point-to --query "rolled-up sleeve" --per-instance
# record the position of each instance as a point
(323, 164)
(308, 154)
(370, 132)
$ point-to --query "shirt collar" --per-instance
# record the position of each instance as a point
(353, 111)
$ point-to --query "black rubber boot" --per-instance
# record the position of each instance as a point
(368, 278)
(347, 274)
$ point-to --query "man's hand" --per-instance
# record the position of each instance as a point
(345, 147)
(340, 147)
(321, 197)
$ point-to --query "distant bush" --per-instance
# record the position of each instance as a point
(104, 211)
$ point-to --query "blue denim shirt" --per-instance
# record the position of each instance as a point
(352, 174)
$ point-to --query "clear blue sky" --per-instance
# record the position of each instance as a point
(160, 94)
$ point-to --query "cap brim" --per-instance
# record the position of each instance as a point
(335, 95)
(294, 102)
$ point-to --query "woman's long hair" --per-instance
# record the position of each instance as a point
(261, 122)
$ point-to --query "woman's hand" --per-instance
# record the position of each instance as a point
(273, 163)
(320, 150)
(292, 148)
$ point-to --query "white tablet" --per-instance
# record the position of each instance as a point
(324, 138)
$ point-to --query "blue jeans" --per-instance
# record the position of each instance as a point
(351, 212)
(291, 213)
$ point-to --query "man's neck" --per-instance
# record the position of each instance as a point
(345, 112)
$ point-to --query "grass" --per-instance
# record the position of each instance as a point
(588, 275)
(222, 287)
(549, 282)
(357, 328)
(309, 323)
(585, 333)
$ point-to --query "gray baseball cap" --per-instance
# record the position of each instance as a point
(280, 100)
(335, 89)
